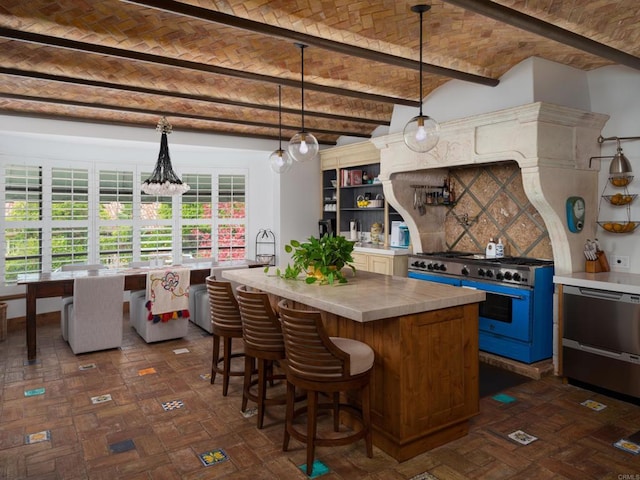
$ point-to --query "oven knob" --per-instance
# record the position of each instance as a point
(507, 275)
(499, 276)
(464, 271)
(415, 264)
(422, 265)
(430, 266)
(443, 268)
(489, 273)
(436, 266)
(481, 272)
(516, 277)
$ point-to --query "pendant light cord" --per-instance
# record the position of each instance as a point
(421, 14)
(280, 116)
(302, 47)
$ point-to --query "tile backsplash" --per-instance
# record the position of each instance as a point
(491, 203)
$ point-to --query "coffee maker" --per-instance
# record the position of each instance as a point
(399, 235)
(325, 226)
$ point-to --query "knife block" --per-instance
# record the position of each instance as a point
(597, 266)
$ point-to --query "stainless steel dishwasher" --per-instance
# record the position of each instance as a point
(601, 339)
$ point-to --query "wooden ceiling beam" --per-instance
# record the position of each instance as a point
(323, 43)
(166, 113)
(548, 30)
(78, 46)
(186, 96)
(125, 123)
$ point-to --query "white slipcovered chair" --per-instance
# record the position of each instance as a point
(68, 301)
(195, 290)
(149, 330)
(201, 310)
(137, 293)
(95, 316)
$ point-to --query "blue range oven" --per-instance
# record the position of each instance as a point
(516, 319)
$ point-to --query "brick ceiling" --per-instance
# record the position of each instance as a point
(215, 66)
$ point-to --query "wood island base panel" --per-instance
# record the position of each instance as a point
(424, 387)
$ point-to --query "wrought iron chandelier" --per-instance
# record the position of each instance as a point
(164, 181)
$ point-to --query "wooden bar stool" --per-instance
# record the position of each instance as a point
(263, 342)
(318, 363)
(226, 324)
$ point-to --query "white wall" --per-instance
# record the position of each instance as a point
(532, 80)
(300, 205)
(615, 91)
(457, 99)
(561, 85)
(298, 194)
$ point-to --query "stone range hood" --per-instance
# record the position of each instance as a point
(552, 146)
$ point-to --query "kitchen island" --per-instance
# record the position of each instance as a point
(424, 387)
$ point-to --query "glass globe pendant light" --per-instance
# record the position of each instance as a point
(303, 146)
(280, 160)
(422, 132)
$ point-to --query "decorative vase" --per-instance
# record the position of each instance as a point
(376, 230)
(313, 272)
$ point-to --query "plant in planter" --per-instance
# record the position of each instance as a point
(321, 258)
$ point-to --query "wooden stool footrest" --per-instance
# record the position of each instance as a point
(232, 373)
(333, 441)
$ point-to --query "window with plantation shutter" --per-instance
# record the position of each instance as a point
(69, 214)
(22, 232)
(115, 217)
(69, 194)
(55, 215)
(23, 193)
(156, 225)
(23, 246)
(69, 245)
(231, 217)
(197, 218)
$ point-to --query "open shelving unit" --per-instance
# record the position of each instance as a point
(341, 196)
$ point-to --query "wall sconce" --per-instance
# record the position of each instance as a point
(620, 165)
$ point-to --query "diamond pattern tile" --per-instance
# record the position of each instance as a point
(493, 198)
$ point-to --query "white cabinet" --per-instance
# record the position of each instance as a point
(381, 263)
(360, 261)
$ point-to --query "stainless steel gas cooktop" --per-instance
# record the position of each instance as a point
(510, 270)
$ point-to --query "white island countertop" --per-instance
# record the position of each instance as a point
(365, 297)
(612, 281)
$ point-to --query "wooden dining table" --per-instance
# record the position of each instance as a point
(59, 284)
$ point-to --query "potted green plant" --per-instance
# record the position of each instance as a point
(322, 259)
